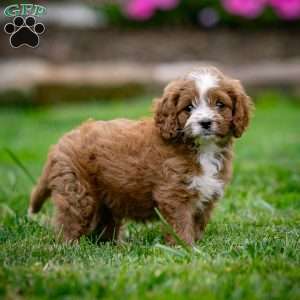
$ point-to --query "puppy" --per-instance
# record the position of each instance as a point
(179, 161)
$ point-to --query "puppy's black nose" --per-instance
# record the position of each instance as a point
(206, 124)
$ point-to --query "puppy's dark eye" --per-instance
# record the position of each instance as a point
(220, 104)
(189, 108)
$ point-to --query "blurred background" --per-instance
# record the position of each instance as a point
(104, 50)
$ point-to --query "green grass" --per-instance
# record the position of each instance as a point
(251, 248)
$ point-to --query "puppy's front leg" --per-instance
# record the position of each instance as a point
(201, 220)
(180, 217)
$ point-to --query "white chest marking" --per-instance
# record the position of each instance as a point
(208, 184)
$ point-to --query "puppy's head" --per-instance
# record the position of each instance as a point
(205, 105)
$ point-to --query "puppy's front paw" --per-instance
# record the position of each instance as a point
(171, 241)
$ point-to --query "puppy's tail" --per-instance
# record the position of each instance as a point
(39, 193)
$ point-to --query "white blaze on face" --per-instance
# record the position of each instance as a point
(204, 80)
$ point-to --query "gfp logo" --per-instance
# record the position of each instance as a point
(24, 29)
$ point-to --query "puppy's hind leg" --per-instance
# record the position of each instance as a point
(76, 206)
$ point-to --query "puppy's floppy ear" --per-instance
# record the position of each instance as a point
(242, 108)
(165, 113)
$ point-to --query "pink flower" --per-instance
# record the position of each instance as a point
(140, 10)
(286, 9)
(245, 8)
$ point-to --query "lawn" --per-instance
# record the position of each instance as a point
(251, 249)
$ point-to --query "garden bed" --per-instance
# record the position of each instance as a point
(153, 45)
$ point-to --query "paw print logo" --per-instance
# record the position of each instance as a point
(24, 32)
